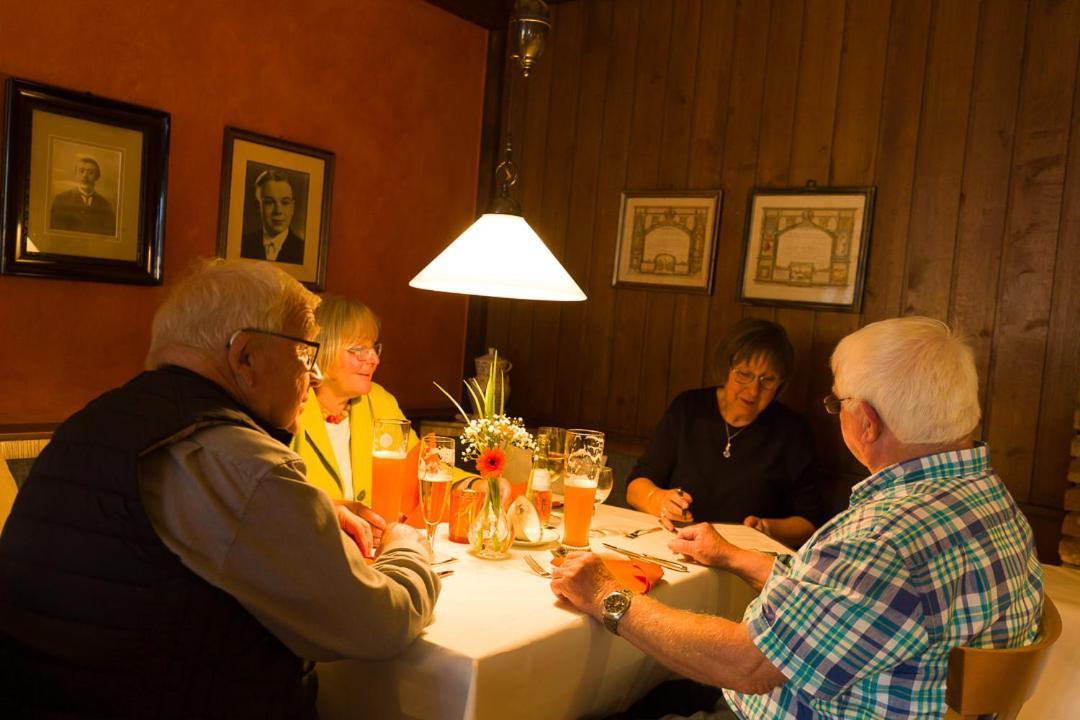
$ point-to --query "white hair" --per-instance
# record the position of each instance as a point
(917, 374)
(221, 297)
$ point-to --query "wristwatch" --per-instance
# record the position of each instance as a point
(615, 606)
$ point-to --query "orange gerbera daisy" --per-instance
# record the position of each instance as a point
(490, 463)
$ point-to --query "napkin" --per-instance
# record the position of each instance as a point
(635, 575)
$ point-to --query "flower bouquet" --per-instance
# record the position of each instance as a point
(486, 438)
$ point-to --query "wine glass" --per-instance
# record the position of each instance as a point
(604, 482)
(556, 439)
(435, 473)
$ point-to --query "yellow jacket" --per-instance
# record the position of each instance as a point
(312, 442)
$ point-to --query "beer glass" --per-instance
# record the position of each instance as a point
(584, 450)
(389, 447)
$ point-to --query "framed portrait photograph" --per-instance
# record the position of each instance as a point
(807, 247)
(275, 204)
(84, 186)
(667, 240)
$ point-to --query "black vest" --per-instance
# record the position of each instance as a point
(98, 618)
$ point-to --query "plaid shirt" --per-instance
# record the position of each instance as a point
(931, 553)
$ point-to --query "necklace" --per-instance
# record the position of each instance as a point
(731, 436)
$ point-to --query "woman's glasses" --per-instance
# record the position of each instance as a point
(362, 350)
(745, 377)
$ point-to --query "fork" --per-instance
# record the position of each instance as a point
(535, 567)
(635, 533)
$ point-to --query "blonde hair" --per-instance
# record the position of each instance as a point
(220, 297)
(342, 321)
(917, 374)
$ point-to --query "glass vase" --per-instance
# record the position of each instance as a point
(491, 533)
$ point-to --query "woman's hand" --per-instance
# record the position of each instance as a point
(759, 524)
(672, 505)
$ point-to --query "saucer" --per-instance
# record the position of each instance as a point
(547, 536)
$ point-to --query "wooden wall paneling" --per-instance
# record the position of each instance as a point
(690, 326)
(940, 159)
(811, 149)
(646, 132)
(984, 192)
(530, 148)
(1032, 225)
(900, 109)
(573, 347)
(566, 43)
(778, 111)
(615, 147)
(1061, 372)
(679, 99)
(742, 137)
(854, 151)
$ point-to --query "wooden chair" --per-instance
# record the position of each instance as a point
(986, 681)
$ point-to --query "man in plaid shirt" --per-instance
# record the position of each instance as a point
(931, 553)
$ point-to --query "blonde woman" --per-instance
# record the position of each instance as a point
(336, 423)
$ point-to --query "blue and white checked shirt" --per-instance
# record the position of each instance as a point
(930, 554)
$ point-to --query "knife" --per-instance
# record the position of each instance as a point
(670, 564)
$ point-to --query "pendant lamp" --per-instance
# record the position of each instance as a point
(499, 255)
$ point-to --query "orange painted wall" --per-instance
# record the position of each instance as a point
(393, 87)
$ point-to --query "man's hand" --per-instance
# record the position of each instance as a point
(374, 519)
(358, 529)
(583, 580)
(702, 544)
(402, 534)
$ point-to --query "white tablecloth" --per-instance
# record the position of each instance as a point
(501, 647)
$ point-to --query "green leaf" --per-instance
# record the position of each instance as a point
(460, 409)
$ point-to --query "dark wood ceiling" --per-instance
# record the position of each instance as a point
(491, 14)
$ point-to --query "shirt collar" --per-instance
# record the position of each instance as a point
(949, 464)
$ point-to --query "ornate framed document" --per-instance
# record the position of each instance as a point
(807, 247)
(667, 240)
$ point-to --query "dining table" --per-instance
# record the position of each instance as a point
(502, 645)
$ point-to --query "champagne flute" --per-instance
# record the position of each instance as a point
(556, 438)
(435, 473)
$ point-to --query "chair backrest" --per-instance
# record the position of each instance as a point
(984, 680)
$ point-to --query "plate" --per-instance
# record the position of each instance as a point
(547, 535)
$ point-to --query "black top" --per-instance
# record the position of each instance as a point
(767, 474)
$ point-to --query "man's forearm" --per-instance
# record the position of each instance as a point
(750, 566)
(705, 648)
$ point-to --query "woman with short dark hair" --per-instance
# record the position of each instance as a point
(729, 453)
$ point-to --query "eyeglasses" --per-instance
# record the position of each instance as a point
(745, 377)
(361, 350)
(306, 350)
(833, 403)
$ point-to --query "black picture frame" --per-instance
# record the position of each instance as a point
(821, 263)
(299, 177)
(58, 221)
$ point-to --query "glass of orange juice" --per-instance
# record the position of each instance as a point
(584, 453)
(389, 448)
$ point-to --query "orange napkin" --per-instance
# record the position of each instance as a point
(635, 575)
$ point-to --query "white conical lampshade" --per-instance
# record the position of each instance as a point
(499, 256)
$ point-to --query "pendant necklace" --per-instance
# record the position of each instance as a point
(731, 436)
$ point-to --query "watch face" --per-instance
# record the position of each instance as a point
(616, 603)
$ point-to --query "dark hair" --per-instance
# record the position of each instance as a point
(751, 338)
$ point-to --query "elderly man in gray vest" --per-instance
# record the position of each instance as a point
(931, 553)
(166, 557)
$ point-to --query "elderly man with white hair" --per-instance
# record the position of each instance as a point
(931, 553)
(166, 557)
